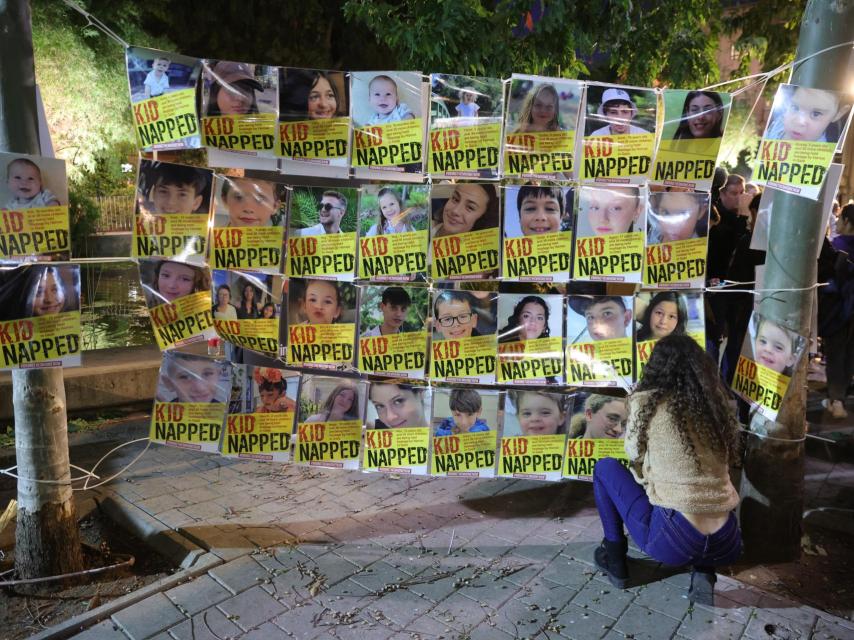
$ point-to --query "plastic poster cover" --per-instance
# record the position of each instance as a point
(239, 107)
(537, 233)
(540, 127)
(33, 209)
(40, 316)
(261, 413)
(330, 415)
(619, 134)
(178, 297)
(465, 426)
(321, 319)
(530, 338)
(314, 120)
(599, 341)
(397, 438)
(609, 233)
(249, 224)
(661, 313)
(804, 131)
(393, 330)
(464, 336)
(173, 205)
(466, 113)
(694, 124)
(769, 356)
(387, 110)
(677, 237)
(247, 308)
(322, 232)
(393, 227)
(163, 98)
(596, 431)
(466, 231)
(534, 436)
(190, 402)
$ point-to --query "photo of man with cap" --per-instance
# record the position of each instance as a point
(605, 318)
(618, 110)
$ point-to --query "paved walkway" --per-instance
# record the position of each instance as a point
(303, 553)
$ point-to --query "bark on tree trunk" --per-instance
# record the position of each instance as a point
(47, 541)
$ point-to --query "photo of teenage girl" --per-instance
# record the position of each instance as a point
(470, 207)
(529, 321)
(666, 313)
(186, 377)
(677, 215)
(310, 94)
(604, 211)
(342, 403)
(397, 405)
(702, 116)
(39, 290)
(167, 280)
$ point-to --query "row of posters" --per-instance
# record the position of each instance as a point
(404, 232)
(453, 126)
(272, 414)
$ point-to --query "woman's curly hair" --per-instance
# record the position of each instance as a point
(684, 379)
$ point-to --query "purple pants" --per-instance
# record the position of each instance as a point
(663, 534)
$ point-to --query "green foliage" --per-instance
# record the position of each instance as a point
(304, 202)
(84, 215)
(768, 32)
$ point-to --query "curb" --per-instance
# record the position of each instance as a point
(79, 623)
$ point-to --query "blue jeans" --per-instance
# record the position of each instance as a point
(663, 534)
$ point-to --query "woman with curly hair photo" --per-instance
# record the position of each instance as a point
(676, 499)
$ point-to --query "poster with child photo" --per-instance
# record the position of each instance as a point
(34, 209)
(251, 321)
(397, 437)
(163, 98)
(465, 126)
(465, 426)
(677, 229)
(388, 114)
(534, 436)
(393, 330)
(596, 431)
(322, 317)
(599, 336)
(464, 335)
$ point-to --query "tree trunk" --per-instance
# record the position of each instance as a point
(47, 541)
(772, 486)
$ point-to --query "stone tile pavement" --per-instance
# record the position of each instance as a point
(305, 553)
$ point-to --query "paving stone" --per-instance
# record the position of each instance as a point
(702, 624)
(266, 536)
(461, 612)
(489, 589)
(210, 624)
(106, 630)
(401, 606)
(153, 506)
(298, 622)
(347, 588)
(563, 571)
(148, 617)
(376, 577)
(198, 594)
(333, 567)
(547, 595)
(435, 590)
(240, 574)
(250, 608)
(827, 630)
(361, 555)
(267, 631)
(664, 598)
(522, 619)
(646, 624)
(765, 624)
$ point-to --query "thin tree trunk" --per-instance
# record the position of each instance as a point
(772, 486)
(47, 541)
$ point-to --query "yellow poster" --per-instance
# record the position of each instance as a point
(259, 436)
(676, 265)
(470, 455)
(615, 257)
(620, 158)
(321, 345)
(329, 444)
(395, 256)
(34, 232)
(464, 360)
(401, 450)
(166, 118)
(49, 340)
(258, 334)
(182, 321)
(245, 132)
(326, 255)
(540, 155)
(175, 234)
(532, 457)
(762, 387)
(314, 139)
(465, 256)
(582, 455)
(794, 166)
(247, 248)
(388, 145)
(397, 354)
(190, 425)
(538, 258)
(465, 151)
(531, 361)
(599, 363)
(686, 163)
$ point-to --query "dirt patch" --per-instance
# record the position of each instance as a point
(23, 615)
